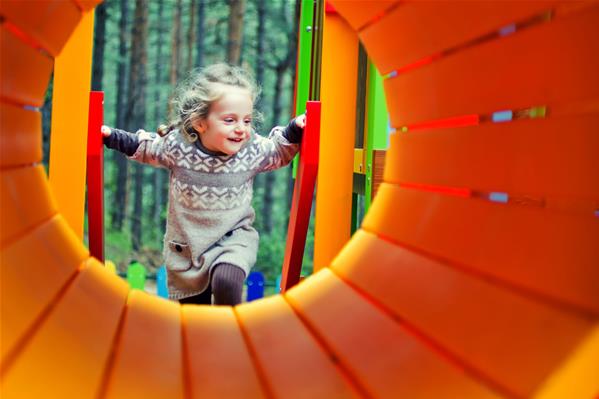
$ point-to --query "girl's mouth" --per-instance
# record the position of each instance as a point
(237, 140)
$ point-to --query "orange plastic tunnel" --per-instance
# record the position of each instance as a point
(475, 274)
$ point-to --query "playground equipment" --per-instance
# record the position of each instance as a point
(474, 274)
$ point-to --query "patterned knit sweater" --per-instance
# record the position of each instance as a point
(209, 212)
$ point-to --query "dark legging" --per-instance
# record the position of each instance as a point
(226, 285)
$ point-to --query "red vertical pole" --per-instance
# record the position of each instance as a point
(95, 175)
(303, 193)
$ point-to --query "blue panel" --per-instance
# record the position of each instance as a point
(507, 30)
(499, 197)
(502, 116)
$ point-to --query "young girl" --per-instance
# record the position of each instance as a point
(212, 155)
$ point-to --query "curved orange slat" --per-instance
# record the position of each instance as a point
(26, 201)
(22, 147)
(48, 22)
(532, 157)
(385, 356)
(448, 24)
(362, 12)
(288, 355)
(490, 328)
(218, 360)
(332, 221)
(525, 246)
(34, 270)
(148, 359)
(577, 376)
(25, 71)
(66, 356)
(525, 69)
(379, 353)
(87, 4)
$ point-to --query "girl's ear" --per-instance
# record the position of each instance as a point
(199, 125)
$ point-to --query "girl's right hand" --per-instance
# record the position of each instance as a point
(105, 131)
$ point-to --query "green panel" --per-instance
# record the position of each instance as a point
(377, 137)
(304, 59)
(304, 56)
(136, 276)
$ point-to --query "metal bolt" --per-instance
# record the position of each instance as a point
(308, 28)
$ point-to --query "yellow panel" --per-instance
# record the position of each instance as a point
(49, 22)
(362, 12)
(34, 270)
(25, 71)
(25, 200)
(70, 108)
(338, 96)
(551, 64)
(21, 136)
(67, 356)
(525, 246)
(285, 350)
(425, 28)
(452, 308)
(578, 376)
(359, 161)
(148, 362)
(524, 157)
(385, 359)
(219, 363)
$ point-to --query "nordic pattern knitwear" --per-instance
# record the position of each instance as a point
(209, 213)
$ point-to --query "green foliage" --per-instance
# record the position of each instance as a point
(118, 247)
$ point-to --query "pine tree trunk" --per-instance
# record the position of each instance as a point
(260, 55)
(270, 179)
(175, 50)
(236, 11)
(190, 35)
(119, 208)
(158, 200)
(260, 66)
(99, 44)
(200, 33)
(136, 112)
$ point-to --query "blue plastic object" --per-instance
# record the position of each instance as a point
(255, 284)
(161, 286)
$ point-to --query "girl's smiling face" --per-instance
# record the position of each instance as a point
(228, 124)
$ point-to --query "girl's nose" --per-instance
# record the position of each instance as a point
(239, 127)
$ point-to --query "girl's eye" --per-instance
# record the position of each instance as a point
(248, 121)
(229, 120)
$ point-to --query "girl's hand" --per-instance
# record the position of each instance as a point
(301, 120)
(105, 131)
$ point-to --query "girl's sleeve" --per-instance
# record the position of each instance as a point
(280, 147)
(144, 147)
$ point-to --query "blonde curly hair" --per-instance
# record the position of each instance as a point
(201, 89)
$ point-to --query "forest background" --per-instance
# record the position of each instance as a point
(142, 50)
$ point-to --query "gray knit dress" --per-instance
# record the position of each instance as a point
(210, 214)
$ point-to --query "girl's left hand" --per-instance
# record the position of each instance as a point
(301, 120)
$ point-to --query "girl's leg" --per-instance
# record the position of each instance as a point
(227, 284)
(205, 298)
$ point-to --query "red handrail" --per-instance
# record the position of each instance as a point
(95, 175)
(303, 193)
